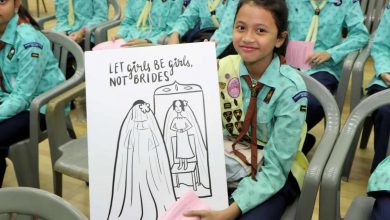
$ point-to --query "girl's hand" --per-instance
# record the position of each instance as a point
(116, 37)
(230, 213)
(386, 77)
(135, 42)
(317, 58)
(78, 36)
(174, 38)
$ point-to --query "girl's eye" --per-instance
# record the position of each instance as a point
(238, 27)
(3, 1)
(260, 30)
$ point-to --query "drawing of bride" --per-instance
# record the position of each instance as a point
(142, 184)
(186, 146)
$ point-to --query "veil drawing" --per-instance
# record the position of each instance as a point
(142, 178)
(196, 151)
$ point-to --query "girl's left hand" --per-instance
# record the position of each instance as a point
(78, 35)
(230, 213)
(317, 58)
(135, 42)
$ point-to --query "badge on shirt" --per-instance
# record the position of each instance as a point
(35, 55)
(33, 44)
(299, 95)
(303, 108)
(11, 53)
(269, 95)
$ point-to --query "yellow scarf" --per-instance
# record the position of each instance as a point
(141, 23)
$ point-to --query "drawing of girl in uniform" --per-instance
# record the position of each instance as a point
(142, 184)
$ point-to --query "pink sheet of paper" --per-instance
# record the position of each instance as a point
(108, 45)
(188, 201)
(297, 52)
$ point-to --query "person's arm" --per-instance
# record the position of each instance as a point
(31, 66)
(223, 35)
(230, 213)
(129, 19)
(61, 8)
(188, 19)
(357, 36)
(380, 50)
(100, 13)
(279, 152)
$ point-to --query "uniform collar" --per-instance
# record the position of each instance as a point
(270, 75)
(9, 32)
(329, 1)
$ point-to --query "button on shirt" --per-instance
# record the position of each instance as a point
(87, 13)
(28, 66)
(332, 18)
(380, 50)
(163, 15)
(199, 11)
(279, 125)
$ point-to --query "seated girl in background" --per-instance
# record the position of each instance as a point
(217, 13)
(146, 21)
(272, 96)
(87, 14)
(380, 53)
(28, 68)
(329, 47)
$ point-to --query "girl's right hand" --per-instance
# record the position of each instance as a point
(386, 77)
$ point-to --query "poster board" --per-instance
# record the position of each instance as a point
(154, 129)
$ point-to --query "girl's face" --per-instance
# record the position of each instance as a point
(8, 8)
(177, 107)
(255, 34)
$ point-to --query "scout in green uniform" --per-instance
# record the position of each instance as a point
(379, 188)
(87, 13)
(146, 21)
(380, 53)
(217, 13)
(259, 36)
(329, 47)
(28, 69)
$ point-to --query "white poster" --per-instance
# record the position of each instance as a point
(154, 130)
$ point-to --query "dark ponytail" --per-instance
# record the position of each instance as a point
(24, 14)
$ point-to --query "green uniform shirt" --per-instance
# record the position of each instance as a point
(280, 119)
(28, 65)
(163, 15)
(332, 18)
(198, 11)
(380, 178)
(87, 13)
(380, 50)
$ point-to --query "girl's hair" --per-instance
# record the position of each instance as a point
(279, 11)
(24, 14)
(181, 104)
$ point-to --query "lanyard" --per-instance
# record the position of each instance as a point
(212, 7)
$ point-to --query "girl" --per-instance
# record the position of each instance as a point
(146, 21)
(380, 53)
(259, 36)
(329, 47)
(28, 69)
(379, 188)
(87, 13)
(217, 13)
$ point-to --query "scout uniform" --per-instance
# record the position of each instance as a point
(281, 111)
(335, 15)
(28, 68)
(380, 53)
(199, 10)
(163, 14)
(87, 13)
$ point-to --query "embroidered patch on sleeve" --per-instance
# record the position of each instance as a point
(269, 95)
(303, 108)
(33, 44)
(35, 55)
(299, 95)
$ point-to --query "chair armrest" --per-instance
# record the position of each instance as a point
(56, 117)
(41, 21)
(101, 31)
(358, 74)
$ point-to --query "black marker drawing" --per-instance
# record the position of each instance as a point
(185, 136)
(142, 186)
